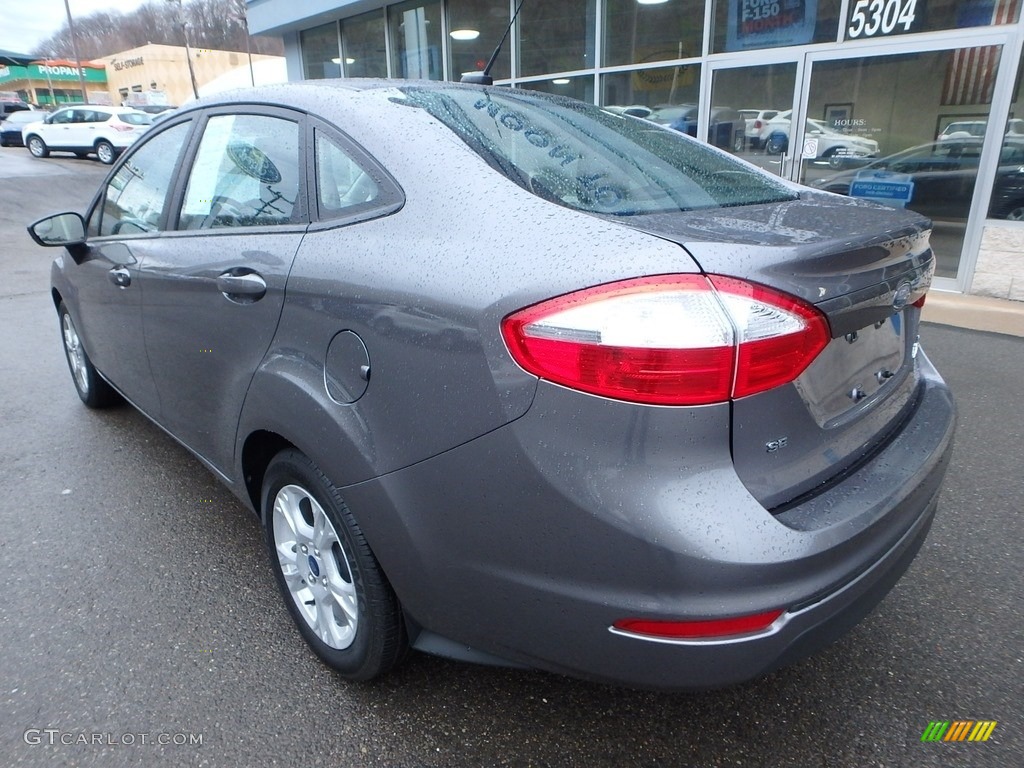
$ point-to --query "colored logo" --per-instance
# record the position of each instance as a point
(958, 730)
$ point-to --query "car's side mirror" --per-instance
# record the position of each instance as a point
(65, 229)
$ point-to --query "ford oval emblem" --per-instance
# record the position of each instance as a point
(899, 301)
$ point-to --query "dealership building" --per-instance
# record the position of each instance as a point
(932, 84)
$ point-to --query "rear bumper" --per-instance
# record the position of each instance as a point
(523, 545)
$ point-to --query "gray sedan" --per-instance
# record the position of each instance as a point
(512, 379)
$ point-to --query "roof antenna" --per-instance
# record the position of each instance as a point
(484, 78)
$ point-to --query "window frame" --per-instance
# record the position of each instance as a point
(391, 196)
(96, 206)
(300, 211)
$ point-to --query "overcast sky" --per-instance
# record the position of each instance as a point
(26, 23)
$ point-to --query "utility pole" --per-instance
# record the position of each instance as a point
(188, 53)
(240, 16)
(74, 47)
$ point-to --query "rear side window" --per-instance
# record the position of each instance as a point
(135, 197)
(583, 157)
(246, 173)
(135, 118)
(342, 184)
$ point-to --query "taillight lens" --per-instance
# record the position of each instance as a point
(121, 127)
(695, 630)
(668, 340)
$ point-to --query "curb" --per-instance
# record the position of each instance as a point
(977, 313)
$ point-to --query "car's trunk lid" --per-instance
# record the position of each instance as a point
(863, 266)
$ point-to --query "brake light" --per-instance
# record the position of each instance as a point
(758, 124)
(121, 127)
(695, 630)
(668, 340)
(920, 302)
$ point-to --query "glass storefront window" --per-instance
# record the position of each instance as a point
(556, 36)
(415, 30)
(888, 129)
(661, 86)
(641, 33)
(664, 95)
(320, 55)
(474, 29)
(1007, 201)
(362, 40)
(581, 87)
(763, 98)
(742, 25)
(872, 18)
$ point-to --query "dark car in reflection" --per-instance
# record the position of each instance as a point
(10, 129)
(726, 126)
(513, 379)
(944, 174)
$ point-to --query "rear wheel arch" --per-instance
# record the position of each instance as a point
(259, 449)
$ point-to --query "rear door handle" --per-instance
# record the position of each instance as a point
(249, 286)
(120, 277)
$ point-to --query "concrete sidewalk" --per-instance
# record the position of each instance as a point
(978, 313)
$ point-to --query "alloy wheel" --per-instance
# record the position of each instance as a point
(76, 355)
(315, 567)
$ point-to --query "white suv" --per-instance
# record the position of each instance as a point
(86, 129)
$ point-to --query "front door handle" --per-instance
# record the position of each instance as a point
(249, 286)
(120, 277)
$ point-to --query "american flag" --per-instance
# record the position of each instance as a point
(971, 72)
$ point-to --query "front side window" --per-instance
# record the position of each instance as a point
(589, 159)
(64, 116)
(135, 197)
(246, 173)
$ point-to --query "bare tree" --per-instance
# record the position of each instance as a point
(212, 24)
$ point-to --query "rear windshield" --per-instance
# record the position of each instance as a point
(583, 157)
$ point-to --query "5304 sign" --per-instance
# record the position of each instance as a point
(876, 18)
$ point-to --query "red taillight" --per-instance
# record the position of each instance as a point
(738, 625)
(121, 127)
(668, 340)
(920, 302)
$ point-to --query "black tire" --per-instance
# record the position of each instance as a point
(372, 642)
(739, 143)
(836, 159)
(37, 147)
(1013, 212)
(105, 152)
(92, 388)
(777, 143)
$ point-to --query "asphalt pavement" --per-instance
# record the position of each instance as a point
(140, 624)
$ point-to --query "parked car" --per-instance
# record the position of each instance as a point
(944, 174)
(838, 148)
(10, 129)
(633, 110)
(754, 121)
(687, 432)
(85, 130)
(724, 123)
(964, 129)
(9, 107)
